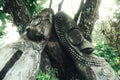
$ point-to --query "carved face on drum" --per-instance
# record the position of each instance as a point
(67, 30)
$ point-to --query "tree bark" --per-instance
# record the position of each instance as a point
(20, 60)
(50, 5)
(89, 15)
(60, 5)
(19, 12)
(26, 53)
(59, 59)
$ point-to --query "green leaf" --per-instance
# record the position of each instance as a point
(110, 54)
(1, 2)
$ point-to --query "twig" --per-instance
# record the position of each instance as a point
(60, 5)
(50, 4)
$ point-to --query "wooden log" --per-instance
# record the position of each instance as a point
(20, 60)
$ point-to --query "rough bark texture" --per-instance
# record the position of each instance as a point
(20, 66)
(60, 60)
(60, 5)
(89, 15)
(19, 12)
(21, 60)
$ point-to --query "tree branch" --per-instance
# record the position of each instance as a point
(50, 5)
(19, 12)
(60, 5)
(79, 11)
(89, 15)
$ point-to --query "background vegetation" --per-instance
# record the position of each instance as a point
(110, 50)
(33, 6)
(47, 76)
(110, 54)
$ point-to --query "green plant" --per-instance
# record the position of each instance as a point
(110, 54)
(3, 16)
(34, 6)
(2, 31)
(51, 75)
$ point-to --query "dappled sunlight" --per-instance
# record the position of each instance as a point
(73, 37)
(11, 34)
(106, 12)
(107, 9)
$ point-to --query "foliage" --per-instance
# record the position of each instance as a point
(49, 76)
(111, 31)
(1, 1)
(3, 16)
(2, 31)
(2, 19)
(34, 6)
(110, 54)
(74, 78)
(111, 50)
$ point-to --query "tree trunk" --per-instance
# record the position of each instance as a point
(21, 60)
(19, 12)
(89, 15)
